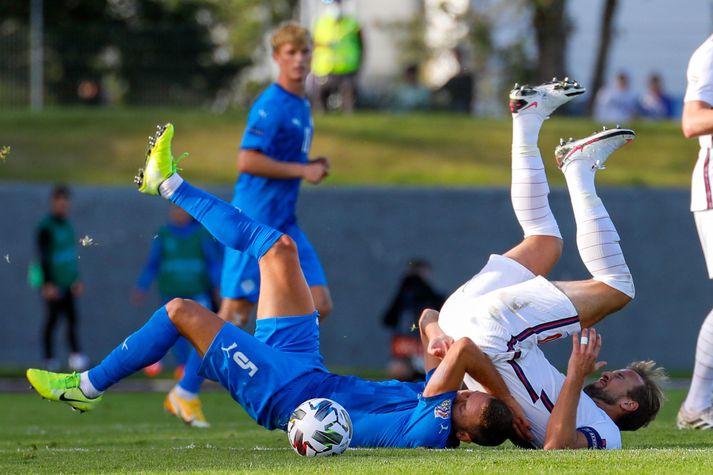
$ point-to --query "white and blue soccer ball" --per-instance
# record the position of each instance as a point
(319, 427)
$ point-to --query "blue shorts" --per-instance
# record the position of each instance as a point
(257, 370)
(240, 278)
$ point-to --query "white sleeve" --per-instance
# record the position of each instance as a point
(700, 74)
(603, 434)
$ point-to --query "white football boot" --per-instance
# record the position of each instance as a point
(596, 148)
(544, 99)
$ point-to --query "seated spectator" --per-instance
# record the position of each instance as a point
(617, 103)
(655, 104)
(409, 94)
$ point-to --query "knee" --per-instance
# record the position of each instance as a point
(179, 311)
(284, 248)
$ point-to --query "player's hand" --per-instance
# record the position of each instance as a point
(520, 423)
(315, 171)
(585, 351)
(323, 160)
(439, 346)
(49, 291)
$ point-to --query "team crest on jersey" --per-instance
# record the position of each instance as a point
(443, 410)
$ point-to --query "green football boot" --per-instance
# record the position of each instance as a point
(160, 163)
(61, 387)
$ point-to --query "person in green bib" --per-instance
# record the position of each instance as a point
(60, 283)
(337, 57)
(186, 262)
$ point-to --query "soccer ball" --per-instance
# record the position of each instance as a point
(319, 427)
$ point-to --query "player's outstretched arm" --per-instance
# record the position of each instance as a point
(453, 360)
(259, 164)
(562, 427)
(697, 119)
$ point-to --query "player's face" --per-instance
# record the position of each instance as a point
(468, 407)
(60, 206)
(613, 385)
(294, 61)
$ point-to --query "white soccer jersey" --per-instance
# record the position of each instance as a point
(700, 88)
(507, 312)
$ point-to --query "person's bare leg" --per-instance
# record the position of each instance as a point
(529, 191)
(593, 299)
(322, 300)
(195, 322)
(283, 289)
(236, 311)
(537, 253)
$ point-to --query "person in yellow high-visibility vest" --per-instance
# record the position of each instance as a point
(337, 56)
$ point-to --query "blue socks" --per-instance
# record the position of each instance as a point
(227, 223)
(144, 347)
(190, 381)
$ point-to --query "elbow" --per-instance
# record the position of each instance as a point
(465, 345)
(688, 131)
(554, 445)
(243, 166)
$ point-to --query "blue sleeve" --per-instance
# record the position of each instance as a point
(263, 124)
(430, 422)
(151, 268)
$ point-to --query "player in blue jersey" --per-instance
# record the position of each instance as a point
(273, 161)
(278, 368)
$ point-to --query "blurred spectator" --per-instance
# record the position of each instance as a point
(337, 57)
(186, 261)
(655, 104)
(409, 94)
(415, 294)
(59, 281)
(616, 103)
(457, 93)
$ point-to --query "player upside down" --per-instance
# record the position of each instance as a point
(509, 308)
(504, 309)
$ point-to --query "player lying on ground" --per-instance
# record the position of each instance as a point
(508, 308)
(273, 372)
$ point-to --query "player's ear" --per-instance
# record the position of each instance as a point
(628, 405)
(463, 436)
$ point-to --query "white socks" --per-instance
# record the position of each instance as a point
(699, 395)
(182, 393)
(86, 386)
(597, 239)
(529, 190)
(170, 185)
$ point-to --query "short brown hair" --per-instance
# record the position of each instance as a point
(649, 395)
(60, 191)
(495, 424)
(290, 32)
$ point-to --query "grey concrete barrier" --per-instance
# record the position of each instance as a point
(365, 237)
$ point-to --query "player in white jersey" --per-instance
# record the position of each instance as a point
(509, 308)
(697, 121)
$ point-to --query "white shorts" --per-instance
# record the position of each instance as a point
(704, 224)
(506, 310)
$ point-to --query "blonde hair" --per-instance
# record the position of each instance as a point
(649, 395)
(290, 32)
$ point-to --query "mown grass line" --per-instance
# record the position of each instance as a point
(106, 146)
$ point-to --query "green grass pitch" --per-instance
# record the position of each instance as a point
(129, 433)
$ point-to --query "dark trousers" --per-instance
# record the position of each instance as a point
(64, 305)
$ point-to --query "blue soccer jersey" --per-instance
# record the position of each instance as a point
(279, 126)
(279, 368)
(393, 413)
